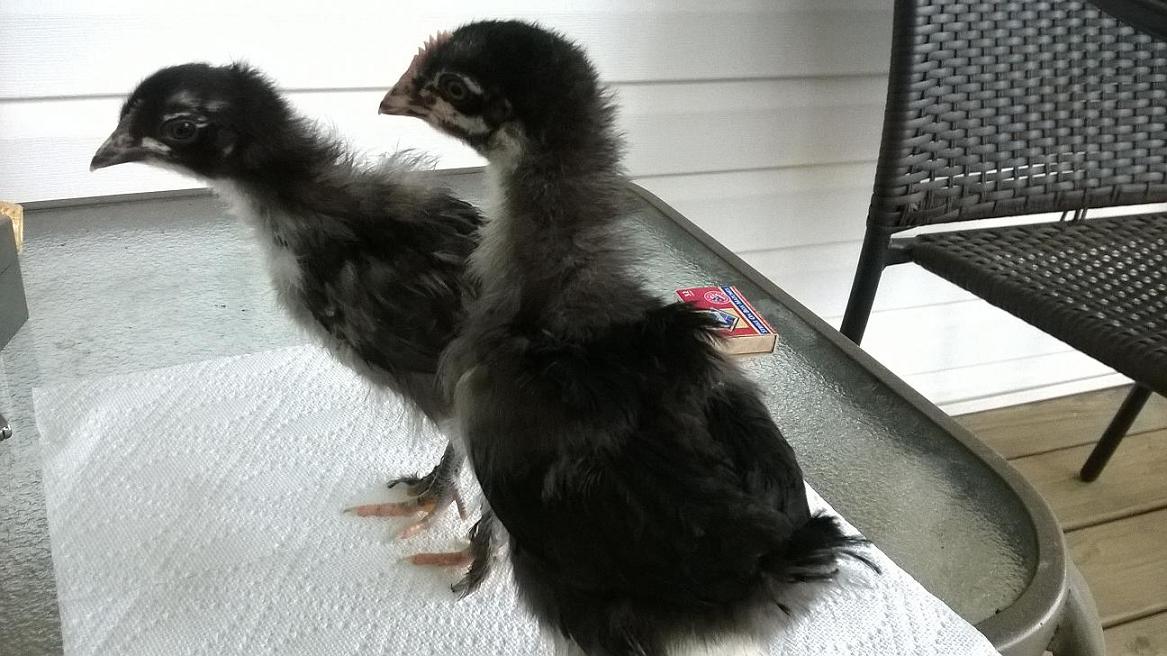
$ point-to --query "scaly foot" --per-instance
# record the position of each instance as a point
(430, 496)
(476, 557)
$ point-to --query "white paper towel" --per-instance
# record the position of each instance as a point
(196, 510)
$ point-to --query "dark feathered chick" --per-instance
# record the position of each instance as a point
(653, 506)
(369, 262)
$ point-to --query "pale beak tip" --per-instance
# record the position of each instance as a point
(396, 103)
(104, 160)
(117, 149)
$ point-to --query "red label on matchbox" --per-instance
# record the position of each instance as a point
(744, 330)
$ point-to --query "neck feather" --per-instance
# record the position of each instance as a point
(554, 240)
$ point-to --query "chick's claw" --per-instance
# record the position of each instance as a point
(476, 557)
(460, 558)
(393, 509)
(438, 488)
(463, 559)
(429, 505)
(430, 494)
(418, 526)
(415, 485)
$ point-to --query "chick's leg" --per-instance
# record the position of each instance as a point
(476, 557)
(429, 495)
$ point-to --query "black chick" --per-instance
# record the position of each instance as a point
(370, 263)
(652, 505)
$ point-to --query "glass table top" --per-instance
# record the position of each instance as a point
(129, 286)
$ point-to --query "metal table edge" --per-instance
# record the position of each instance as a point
(1032, 614)
(1040, 604)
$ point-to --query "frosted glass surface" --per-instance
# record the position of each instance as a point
(125, 287)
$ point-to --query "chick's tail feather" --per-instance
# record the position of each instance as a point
(813, 551)
(726, 646)
(811, 556)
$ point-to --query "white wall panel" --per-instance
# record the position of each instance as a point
(776, 208)
(46, 145)
(62, 48)
(758, 119)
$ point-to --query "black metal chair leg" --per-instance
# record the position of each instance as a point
(872, 260)
(1127, 412)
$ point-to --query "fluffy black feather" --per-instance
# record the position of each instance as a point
(371, 262)
(650, 499)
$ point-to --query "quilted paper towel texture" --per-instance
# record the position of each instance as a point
(196, 510)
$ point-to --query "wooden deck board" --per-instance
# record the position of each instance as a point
(1059, 423)
(1125, 563)
(1145, 637)
(1134, 481)
(1115, 525)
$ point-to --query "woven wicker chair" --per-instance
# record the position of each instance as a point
(1001, 108)
(1147, 15)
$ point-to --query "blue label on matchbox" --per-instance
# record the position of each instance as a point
(746, 310)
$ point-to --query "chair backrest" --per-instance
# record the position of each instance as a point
(1006, 107)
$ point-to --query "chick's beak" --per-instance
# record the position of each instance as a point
(399, 102)
(119, 148)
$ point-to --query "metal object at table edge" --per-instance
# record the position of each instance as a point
(5, 429)
(1026, 626)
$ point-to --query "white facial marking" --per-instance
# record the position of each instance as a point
(471, 85)
(443, 113)
(153, 145)
(471, 124)
(184, 98)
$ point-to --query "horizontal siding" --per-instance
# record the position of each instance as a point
(48, 158)
(757, 119)
(767, 209)
(676, 128)
(56, 48)
(955, 349)
(1017, 396)
(689, 128)
(820, 277)
(989, 379)
(952, 336)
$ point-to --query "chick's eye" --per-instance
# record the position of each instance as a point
(454, 89)
(180, 130)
